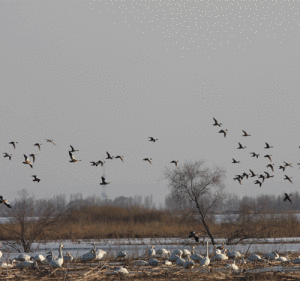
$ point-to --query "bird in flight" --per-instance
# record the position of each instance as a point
(103, 181)
(35, 178)
(175, 162)
(288, 178)
(245, 134)
(254, 154)
(38, 145)
(268, 175)
(7, 155)
(33, 157)
(234, 161)
(258, 182)
(120, 157)
(287, 164)
(241, 147)
(152, 139)
(72, 149)
(27, 161)
(217, 123)
(5, 202)
(282, 167)
(73, 160)
(108, 156)
(13, 143)
(252, 174)
(268, 156)
(195, 236)
(224, 132)
(288, 197)
(48, 140)
(271, 166)
(267, 146)
(148, 159)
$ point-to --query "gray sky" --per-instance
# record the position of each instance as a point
(106, 75)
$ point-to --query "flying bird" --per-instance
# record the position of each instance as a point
(27, 161)
(268, 175)
(254, 154)
(288, 197)
(38, 145)
(94, 164)
(268, 156)
(234, 161)
(7, 155)
(195, 236)
(5, 202)
(13, 143)
(48, 140)
(238, 179)
(108, 156)
(175, 162)
(120, 157)
(288, 178)
(252, 174)
(33, 157)
(152, 139)
(103, 181)
(271, 166)
(224, 132)
(36, 178)
(287, 164)
(148, 159)
(267, 146)
(72, 149)
(73, 160)
(101, 162)
(217, 123)
(241, 147)
(258, 182)
(245, 134)
(282, 167)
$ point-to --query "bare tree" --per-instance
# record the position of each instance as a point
(29, 220)
(200, 188)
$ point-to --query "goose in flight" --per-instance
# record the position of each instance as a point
(224, 132)
(72, 149)
(268, 156)
(103, 181)
(217, 123)
(5, 202)
(234, 161)
(73, 160)
(108, 156)
(148, 159)
(245, 175)
(288, 178)
(288, 197)
(268, 175)
(282, 167)
(245, 134)
(120, 157)
(36, 178)
(261, 176)
(33, 157)
(101, 163)
(94, 163)
(252, 174)
(287, 164)
(7, 155)
(13, 143)
(271, 166)
(152, 139)
(241, 147)
(195, 236)
(48, 140)
(267, 146)
(254, 154)
(38, 145)
(258, 182)
(27, 161)
(175, 162)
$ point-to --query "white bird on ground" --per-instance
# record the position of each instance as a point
(6, 264)
(271, 256)
(121, 271)
(218, 249)
(232, 266)
(186, 253)
(90, 256)
(121, 254)
(254, 257)
(180, 261)
(283, 259)
(189, 263)
(60, 260)
(153, 262)
(234, 255)
(205, 261)
(177, 252)
(166, 262)
(39, 258)
(99, 253)
(220, 257)
(162, 252)
(141, 263)
(173, 257)
(68, 257)
(23, 257)
(0, 252)
(152, 251)
(27, 264)
(195, 257)
(50, 257)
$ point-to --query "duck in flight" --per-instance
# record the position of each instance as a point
(35, 178)
(27, 161)
(267, 146)
(152, 139)
(288, 178)
(288, 197)
(5, 202)
(148, 159)
(13, 144)
(254, 154)
(103, 181)
(120, 157)
(234, 161)
(245, 134)
(268, 156)
(252, 174)
(239, 179)
(195, 236)
(287, 164)
(38, 145)
(72, 149)
(217, 123)
(33, 157)
(48, 140)
(108, 156)
(224, 132)
(282, 167)
(175, 162)
(73, 160)
(258, 182)
(268, 175)
(241, 147)
(7, 155)
(271, 166)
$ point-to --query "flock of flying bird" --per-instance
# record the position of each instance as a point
(103, 182)
(262, 176)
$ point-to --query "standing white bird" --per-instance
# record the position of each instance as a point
(205, 261)
(195, 257)
(60, 260)
(152, 251)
